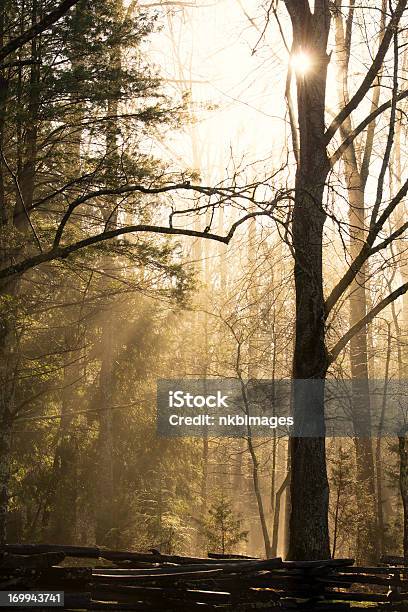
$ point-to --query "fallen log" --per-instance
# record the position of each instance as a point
(242, 567)
(265, 606)
(66, 573)
(331, 607)
(108, 605)
(373, 570)
(126, 564)
(216, 579)
(157, 578)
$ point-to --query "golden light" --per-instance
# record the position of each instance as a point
(301, 62)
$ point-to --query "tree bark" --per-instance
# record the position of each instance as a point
(309, 533)
(26, 172)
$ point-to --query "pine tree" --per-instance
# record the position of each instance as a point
(222, 527)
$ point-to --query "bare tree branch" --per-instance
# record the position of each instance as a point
(390, 138)
(63, 252)
(367, 249)
(371, 73)
(342, 343)
(225, 193)
(369, 143)
(349, 30)
(361, 127)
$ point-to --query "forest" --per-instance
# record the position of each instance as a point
(202, 190)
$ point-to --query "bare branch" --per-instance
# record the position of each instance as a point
(225, 193)
(63, 252)
(371, 73)
(391, 238)
(368, 148)
(342, 343)
(349, 30)
(367, 250)
(390, 138)
(361, 127)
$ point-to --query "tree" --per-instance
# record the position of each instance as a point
(222, 528)
(356, 173)
(43, 158)
(309, 535)
(309, 530)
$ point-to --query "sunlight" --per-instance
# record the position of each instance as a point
(301, 63)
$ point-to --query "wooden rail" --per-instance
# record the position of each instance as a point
(173, 583)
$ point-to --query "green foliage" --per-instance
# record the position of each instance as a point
(223, 529)
(79, 117)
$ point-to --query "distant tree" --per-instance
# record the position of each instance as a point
(343, 509)
(222, 527)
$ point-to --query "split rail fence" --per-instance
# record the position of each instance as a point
(170, 583)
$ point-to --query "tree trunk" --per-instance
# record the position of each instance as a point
(204, 487)
(309, 533)
(65, 476)
(258, 495)
(403, 481)
(5, 444)
(105, 490)
(26, 173)
(9, 289)
(276, 515)
(378, 453)
(65, 495)
(8, 359)
(366, 545)
(288, 504)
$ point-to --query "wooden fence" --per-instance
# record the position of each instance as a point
(172, 583)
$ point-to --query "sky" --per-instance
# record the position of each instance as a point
(235, 87)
